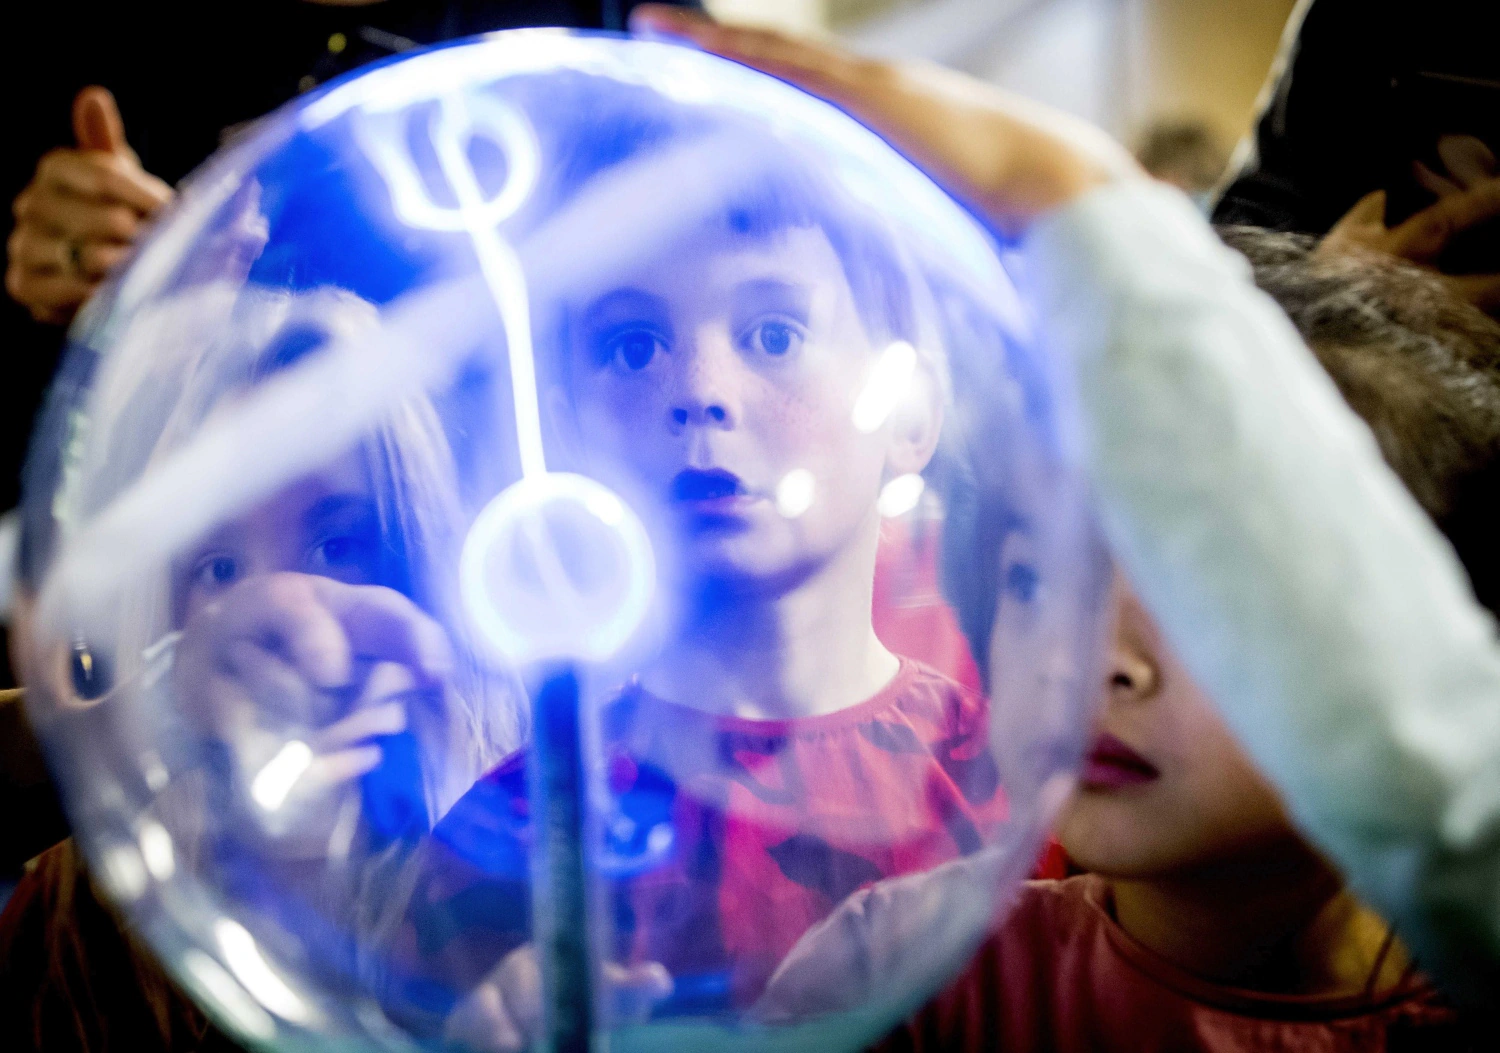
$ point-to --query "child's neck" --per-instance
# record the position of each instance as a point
(1286, 926)
(799, 652)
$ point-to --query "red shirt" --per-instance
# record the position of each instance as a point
(1061, 975)
(909, 613)
(729, 838)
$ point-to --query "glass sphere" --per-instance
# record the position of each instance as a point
(553, 536)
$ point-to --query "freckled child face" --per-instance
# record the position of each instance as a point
(701, 381)
(324, 524)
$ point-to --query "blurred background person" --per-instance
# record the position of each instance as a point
(1379, 127)
(1186, 154)
(1357, 94)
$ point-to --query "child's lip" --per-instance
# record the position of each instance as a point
(710, 490)
(1112, 764)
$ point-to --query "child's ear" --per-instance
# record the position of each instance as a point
(915, 424)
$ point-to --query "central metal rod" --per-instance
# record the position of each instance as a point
(560, 791)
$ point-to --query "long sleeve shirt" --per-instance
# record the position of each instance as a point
(1300, 582)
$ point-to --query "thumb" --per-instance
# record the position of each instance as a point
(1369, 209)
(97, 123)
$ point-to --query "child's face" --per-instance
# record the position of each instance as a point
(1166, 789)
(701, 381)
(324, 524)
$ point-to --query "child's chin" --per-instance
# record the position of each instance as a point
(740, 564)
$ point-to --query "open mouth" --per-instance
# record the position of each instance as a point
(712, 486)
(1113, 764)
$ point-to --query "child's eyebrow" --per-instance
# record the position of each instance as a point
(625, 304)
(357, 505)
(773, 294)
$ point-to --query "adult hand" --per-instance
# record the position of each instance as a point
(1467, 162)
(1008, 159)
(504, 1013)
(285, 659)
(80, 214)
(1422, 238)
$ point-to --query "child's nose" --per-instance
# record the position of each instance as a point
(1131, 675)
(710, 414)
(704, 392)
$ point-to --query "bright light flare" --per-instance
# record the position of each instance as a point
(901, 494)
(796, 492)
(156, 850)
(123, 870)
(252, 970)
(212, 983)
(273, 783)
(888, 383)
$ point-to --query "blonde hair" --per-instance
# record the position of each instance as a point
(182, 360)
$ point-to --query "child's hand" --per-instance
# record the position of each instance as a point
(504, 1013)
(287, 658)
(1009, 159)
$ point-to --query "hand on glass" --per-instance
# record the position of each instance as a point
(1008, 159)
(504, 1013)
(80, 214)
(297, 675)
(1422, 238)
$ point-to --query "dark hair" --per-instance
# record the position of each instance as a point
(1419, 365)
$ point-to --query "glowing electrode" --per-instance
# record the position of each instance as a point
(517, 579)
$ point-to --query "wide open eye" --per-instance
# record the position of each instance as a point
(775, 336)
(341, 551)
(631, 350)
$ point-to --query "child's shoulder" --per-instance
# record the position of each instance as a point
(1058, 974)
(1050, 914)
(923, 696)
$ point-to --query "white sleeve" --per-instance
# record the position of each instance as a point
(1302, 585)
